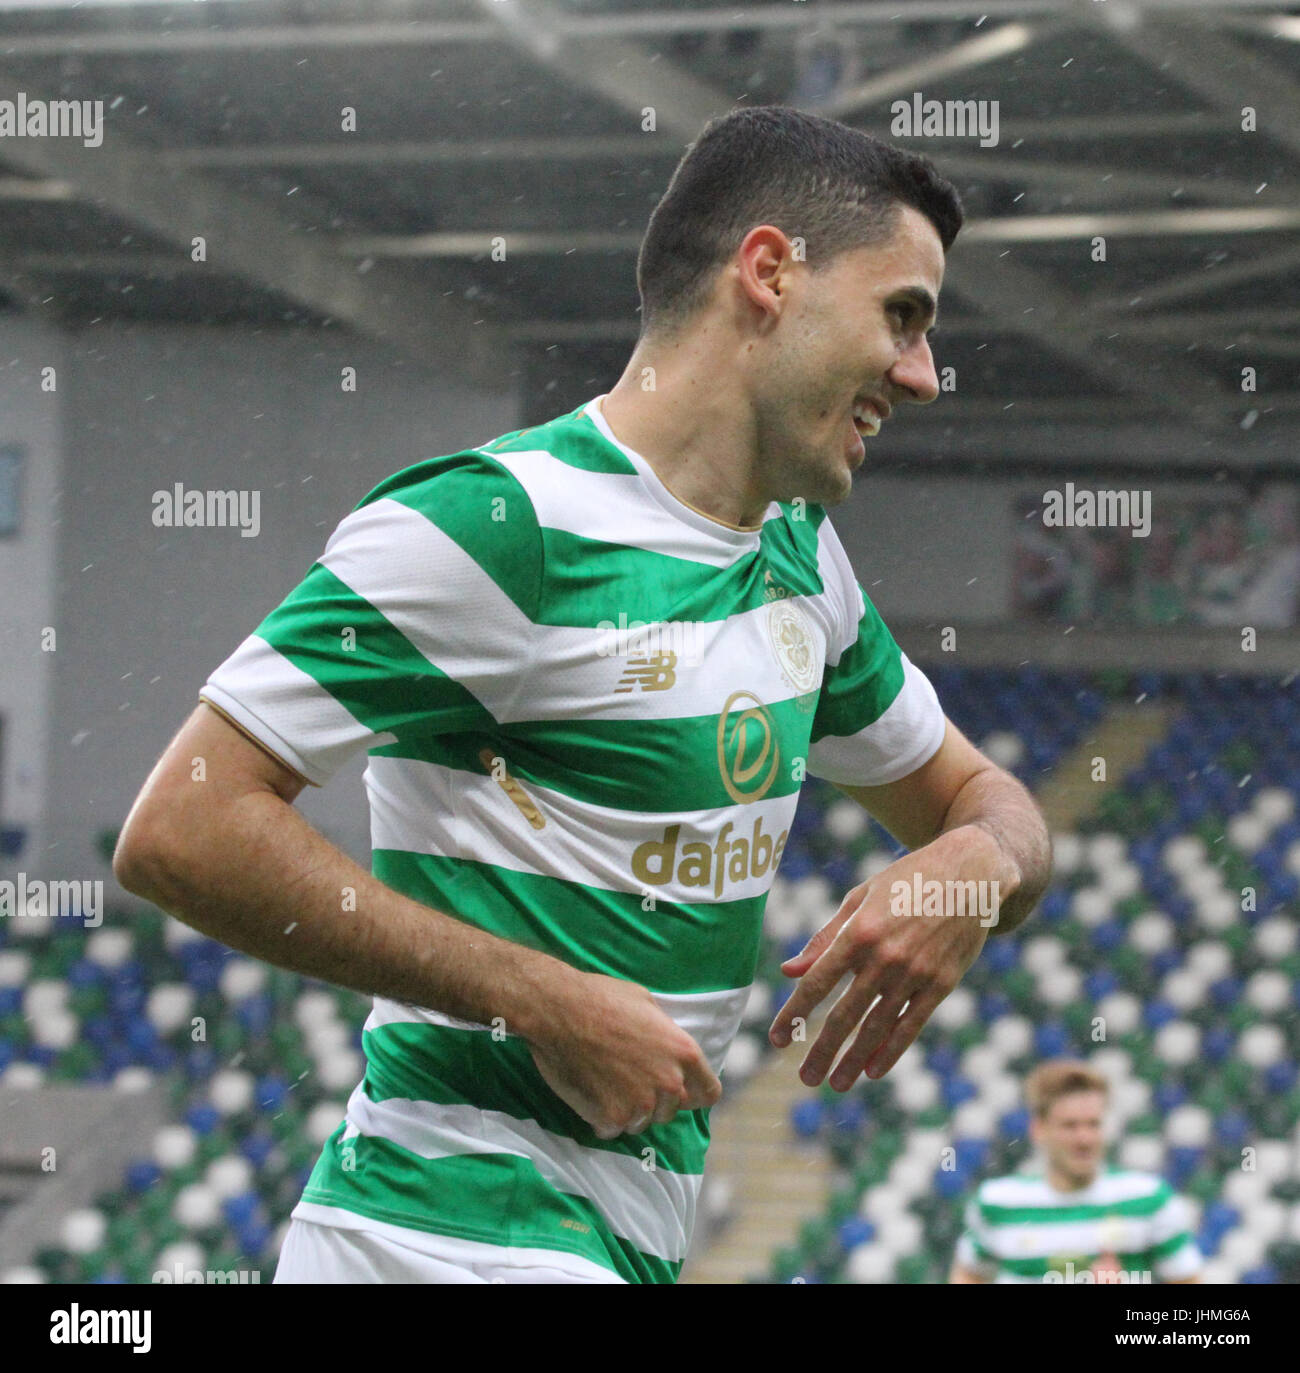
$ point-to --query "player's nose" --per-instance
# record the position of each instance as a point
(914, 374)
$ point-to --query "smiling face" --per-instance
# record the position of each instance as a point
(1071, 1134)
(830, 340)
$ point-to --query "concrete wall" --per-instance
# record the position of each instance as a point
(145, 613)
(31, 402)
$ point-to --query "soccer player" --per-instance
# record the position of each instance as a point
(1065, 1217)
(575, 821)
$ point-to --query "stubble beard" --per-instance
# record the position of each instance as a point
(814, 475)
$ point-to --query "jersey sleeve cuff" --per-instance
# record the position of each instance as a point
(261, 733)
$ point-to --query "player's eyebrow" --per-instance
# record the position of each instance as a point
(922, 299)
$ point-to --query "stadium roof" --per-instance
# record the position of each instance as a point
(522, 120)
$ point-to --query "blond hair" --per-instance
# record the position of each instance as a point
(1049, 1082)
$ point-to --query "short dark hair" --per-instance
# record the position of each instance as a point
(835, 187)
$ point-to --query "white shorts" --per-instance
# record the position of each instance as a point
(327, 1254)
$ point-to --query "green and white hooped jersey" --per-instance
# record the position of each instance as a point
(1021, 1229)
(544, 768)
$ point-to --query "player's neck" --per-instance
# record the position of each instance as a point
(684, 419)
(1067, 1182)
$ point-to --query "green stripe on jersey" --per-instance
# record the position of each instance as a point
(649, 586)
(675, 761)
(705, 947)
(572, 439)
(490, 1198)
(470, 1067)
(476, 501)
(1027, 1215)
(342, 642)
(873, 658)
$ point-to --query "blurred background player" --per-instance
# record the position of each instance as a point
(1065, 1213)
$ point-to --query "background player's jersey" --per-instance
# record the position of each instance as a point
(1020, 1228)
(539, 771)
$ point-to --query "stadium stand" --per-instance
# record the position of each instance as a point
(1169, 925)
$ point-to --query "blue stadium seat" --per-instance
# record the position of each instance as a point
(1227, 991)
(1157, 1014)
(1015, 1124)
(1052, 1040)
(952, 1184)
(1108, 936)
(142, 1174)
(854, 1231)
(848, 1115)
(1217, 1043)
(1100, 983)
(807, 1117)
(203, 1118)
(201, 1062)
(254, 1238)
(943, 1059)
(1000, 955)
(957, 1090)
(993, 1006)
(241, 1209)
(1165, 961)
(1232, 1129)
(1169, 1095)
(1280, 1077)
(258, 1148)
(972, 1153)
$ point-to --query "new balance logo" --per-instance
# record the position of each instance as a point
(649, 672)
(639, 640)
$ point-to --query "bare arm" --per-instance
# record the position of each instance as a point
(231, 857)
(967, 821)
(959, 786)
